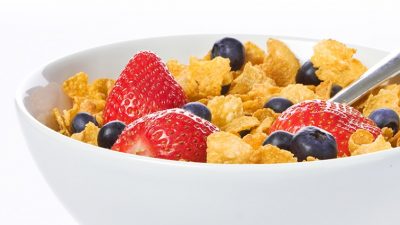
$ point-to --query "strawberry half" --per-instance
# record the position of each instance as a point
(338, 119)
(144, 86)
(169, 134)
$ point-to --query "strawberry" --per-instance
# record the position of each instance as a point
(338, 119)
(144, 86)
(169, 134)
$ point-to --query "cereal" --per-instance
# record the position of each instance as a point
(310, 159)
(323, 90)
(362, 142)
(88, 135)
(77, 85)
(62, 128)
(269, 154)
(223, 147)
(207, 56)
(235, 74)
(258, 95)
(335, 63)
(297, 93)
(386, 98)
(241, 107)
(251, 75)
(204, 101)
(395, 139)
(175, 68)
(100, 88)
(253, 53)
(240, 124)
(188, 84)
(262, 114)
(255, 140)
(224, 109)
(85, 98)
(266, 124)
(267, 117)
(202, 78)
(387, 133)
(210, 75)
(280, 64)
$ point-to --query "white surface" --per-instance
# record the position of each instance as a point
(33, 33)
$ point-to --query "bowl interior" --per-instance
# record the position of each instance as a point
(42, 91)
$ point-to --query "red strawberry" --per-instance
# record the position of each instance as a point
(144, 86)
(169, 134)
(338, 119)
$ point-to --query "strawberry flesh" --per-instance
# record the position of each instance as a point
(169, 134)
(338, 119)
(144, 86)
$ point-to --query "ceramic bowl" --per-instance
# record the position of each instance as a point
(100, 187)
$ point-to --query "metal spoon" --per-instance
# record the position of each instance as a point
(387, 70)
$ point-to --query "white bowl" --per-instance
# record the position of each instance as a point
(99, 186)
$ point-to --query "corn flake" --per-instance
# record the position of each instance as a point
(88, 135)
(89, 98)
(323, 90)
(269, 154)
(175, 68)
(280, 64)
(224, 147)
(310, 159)
(240, 124)
(210, 75)
(224, 109)
(297, 93)
(62, 128)
(189, 85)
(77, 85)
(386, 98)
(395, 139)
(335, 63)
(267, 118)
(258, 95)
(100, 88)
(251, 75)
(253, 53)
(362, 142)
(255, 140)
(207, 56)
(262, 114)
(387, 133)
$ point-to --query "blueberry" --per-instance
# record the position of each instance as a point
(278, 104)
(198, 109)
(385, 118)
(229, 48)
(243, 133)
(80, 120)
(109, 133)
(335, 89)
(306, 74)
(225, 89)
(280, 139)
(315, 142)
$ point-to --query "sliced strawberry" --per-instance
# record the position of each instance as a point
(144, 86)
(338, 119)
(169, 134)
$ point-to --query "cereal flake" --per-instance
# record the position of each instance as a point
(224, 147)
(280, 64)
(224, 109)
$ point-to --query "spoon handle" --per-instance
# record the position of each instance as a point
(384, 70)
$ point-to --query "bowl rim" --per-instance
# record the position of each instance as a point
(95, 150)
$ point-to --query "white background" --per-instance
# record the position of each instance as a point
(34, 32)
